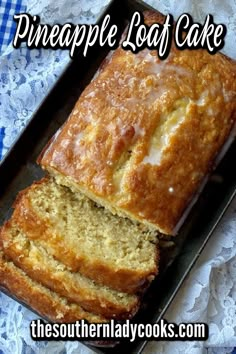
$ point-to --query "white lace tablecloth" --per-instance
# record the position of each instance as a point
(209, 292)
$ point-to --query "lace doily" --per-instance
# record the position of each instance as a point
(27, 75)
(209, 292)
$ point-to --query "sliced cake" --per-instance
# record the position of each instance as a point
(45, 302)
(42, 267)
(110, 250)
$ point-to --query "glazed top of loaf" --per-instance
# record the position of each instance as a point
(145, 132)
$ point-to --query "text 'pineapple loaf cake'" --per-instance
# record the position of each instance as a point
(37, 263)
(47, 303)
(110, 250)
(145, 132)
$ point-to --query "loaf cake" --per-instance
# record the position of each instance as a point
(145, 132)
(141, 139)
(40, 266)
(47, 303)
(110, 250)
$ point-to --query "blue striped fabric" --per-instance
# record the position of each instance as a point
(2, 134)
(8, 8)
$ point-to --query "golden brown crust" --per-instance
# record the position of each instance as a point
(131, 281)
(58, 281)
(145, 132)
(48, 305)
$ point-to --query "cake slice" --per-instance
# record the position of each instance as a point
(42, 267)
(46, 303)
(86, 238)
(145, 132)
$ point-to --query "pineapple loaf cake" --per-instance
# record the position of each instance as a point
(144, 133)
